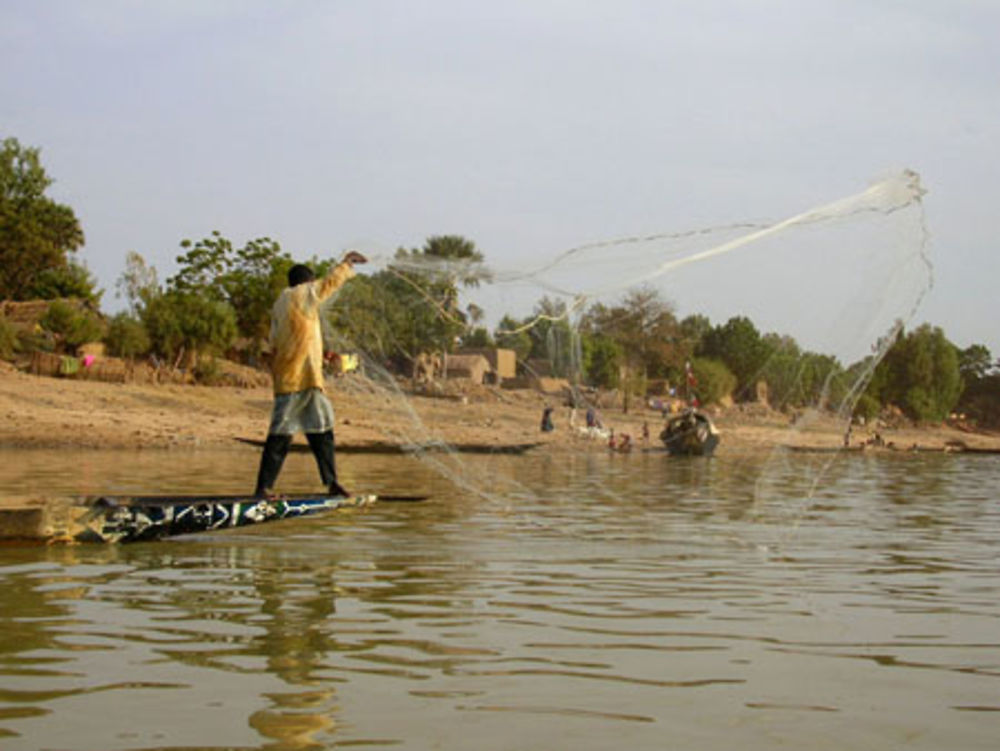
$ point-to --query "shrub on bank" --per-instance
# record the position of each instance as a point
(126, 337)
(8, 339)
(71, 325)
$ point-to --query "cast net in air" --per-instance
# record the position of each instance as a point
(775, 327)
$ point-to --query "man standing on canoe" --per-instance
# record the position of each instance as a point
(297, 368)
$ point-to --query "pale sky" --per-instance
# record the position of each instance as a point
(528, 127)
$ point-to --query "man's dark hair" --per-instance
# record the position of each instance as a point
(299, 274)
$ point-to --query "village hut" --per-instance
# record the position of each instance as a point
(503, 362)
(474, 367)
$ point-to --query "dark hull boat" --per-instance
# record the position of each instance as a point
(690, 433)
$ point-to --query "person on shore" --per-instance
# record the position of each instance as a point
(547, 425)
(300, 404)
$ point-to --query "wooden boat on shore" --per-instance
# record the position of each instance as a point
(691, 433)
(120, 519)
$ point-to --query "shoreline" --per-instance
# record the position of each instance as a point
(43, 413)
(54, 413)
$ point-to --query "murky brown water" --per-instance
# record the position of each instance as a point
(627, 602)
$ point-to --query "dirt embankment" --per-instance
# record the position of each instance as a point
(54, 412)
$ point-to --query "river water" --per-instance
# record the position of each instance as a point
(601, 601)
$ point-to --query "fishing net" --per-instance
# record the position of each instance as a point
(620, 334)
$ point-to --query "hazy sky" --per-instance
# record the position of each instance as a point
(529, 127)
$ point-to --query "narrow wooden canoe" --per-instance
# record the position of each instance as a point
(112, 519)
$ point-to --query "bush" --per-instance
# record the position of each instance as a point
(126, 337)
(185, 321)
(72, 326)
(715, 380)
(867, 407)
(8, 339)
(207, 371)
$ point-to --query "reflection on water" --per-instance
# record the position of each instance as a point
(602, 601)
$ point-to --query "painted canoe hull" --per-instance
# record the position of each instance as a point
(114, 519)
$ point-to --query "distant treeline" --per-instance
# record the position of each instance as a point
(219, 302)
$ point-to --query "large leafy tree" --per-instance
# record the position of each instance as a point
(511, 335)
(741, 347)
(647, 335)
(188, 323)
(412, 306)
(602, 359)
(249, 279)
(920, 373)
(974, 363)
(37, 234)
(644, 326)
(980, 399)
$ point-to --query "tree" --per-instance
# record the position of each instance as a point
(644, 327)
(249, 279)
(477, 338)
(920, 373)
(185, 322)
(509, 336)
(72, 325)
(127, 336)
(975, 362)
(602, 360)
(552, 337)
(36, 233)
(8, 339)
(138, 283)
(693, 330)
(714, 379)
(980, 399)
(740, 346)
(72, 280)
(412, 306)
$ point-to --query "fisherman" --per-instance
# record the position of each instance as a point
(300, 405)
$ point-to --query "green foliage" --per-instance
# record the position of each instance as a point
(8, 339)
(867, 407)
(974, 363)
(36, 233)
(477, 338)
(72, 280)
(207, 371)
(645, 327)
(249, 279)
(602, 359)
(981, 401)
(740, 346)
(508, 337)
(691, 333)
(72, 326)
(798, 379)
(410, 307)
(552, 338)
(127, 336)
(920, 374)
(138, 283)
(715, 380)
(465, 267)
(187, 321)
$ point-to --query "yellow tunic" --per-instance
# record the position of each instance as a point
(296, 335)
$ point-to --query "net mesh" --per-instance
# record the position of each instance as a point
(827, 288)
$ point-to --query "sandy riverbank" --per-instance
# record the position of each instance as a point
(46, 412)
